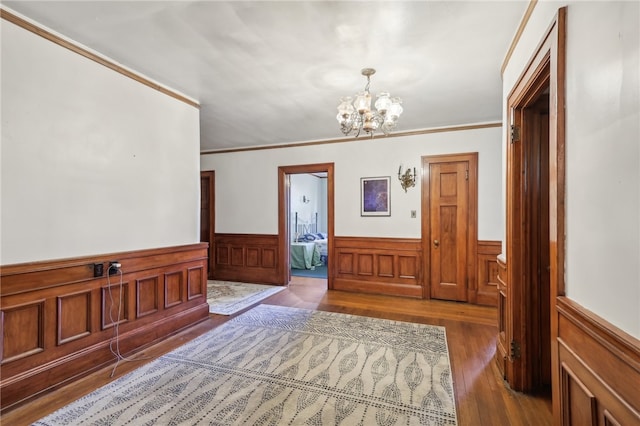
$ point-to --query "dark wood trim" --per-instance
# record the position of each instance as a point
(137, 260)
(546, 68)
(523, 248)
(253, 258)
(170, 297)
(389, 266)
(486, 291)
(502, 345)
(284, 208)
(557, 164)
(106, 305)
(352, 139)
(557, 235)
(63, 314)
(598, 363)
(196, 281)
(55, 315)
(35, 29)
(210, 177)
(472, 238)
(147, 295)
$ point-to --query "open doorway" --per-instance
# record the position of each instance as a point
(533, 222)
(208, 216)
(305, 223)
(308, 242)
(535, 230)
(528, 289)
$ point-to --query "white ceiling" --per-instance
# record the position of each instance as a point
(272, 72)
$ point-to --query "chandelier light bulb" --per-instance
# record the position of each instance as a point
(363, 102)
(345, 109)
(383, 103)
(396, 108)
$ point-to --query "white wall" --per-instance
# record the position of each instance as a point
(323, 215)
(92, 161)
(313, 188)
(247, 182)
(602, 152)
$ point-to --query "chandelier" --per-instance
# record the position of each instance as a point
(356, 116)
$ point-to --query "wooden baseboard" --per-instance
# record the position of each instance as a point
(599, 369)
(58, 319)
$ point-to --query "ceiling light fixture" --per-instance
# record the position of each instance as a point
(358, 116)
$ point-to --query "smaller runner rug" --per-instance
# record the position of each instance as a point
(227, 298)
(275, 365)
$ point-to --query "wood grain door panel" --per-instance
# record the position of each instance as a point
(449, 198)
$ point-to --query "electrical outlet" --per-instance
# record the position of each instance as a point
(98, 270)
(114, 267)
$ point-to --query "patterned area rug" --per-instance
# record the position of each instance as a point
(227, 298)
(274, 365)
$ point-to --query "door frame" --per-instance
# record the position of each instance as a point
(211, 176)
(547, 66)
(284, 236)
(472, 225)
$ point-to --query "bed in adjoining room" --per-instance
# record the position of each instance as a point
(309, 247)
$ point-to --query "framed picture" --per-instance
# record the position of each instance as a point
(374, 196)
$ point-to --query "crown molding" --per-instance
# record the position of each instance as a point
(519, 31)
(82, 51)
(353, 139)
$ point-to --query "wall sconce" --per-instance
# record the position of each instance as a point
(305, 199)
(407, 179)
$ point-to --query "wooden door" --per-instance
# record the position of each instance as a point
(207, 216)
(450, 239)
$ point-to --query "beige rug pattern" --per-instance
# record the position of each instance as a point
(275, 365)
(227, 297)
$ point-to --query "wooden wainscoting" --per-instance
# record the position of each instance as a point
(502, 346)
(487, 281)
(247, 258)
(599, 369)
(58, 319)
(378, 265)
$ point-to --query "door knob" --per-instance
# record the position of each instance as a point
(436, 243)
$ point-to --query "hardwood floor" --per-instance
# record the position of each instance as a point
(482, 398)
